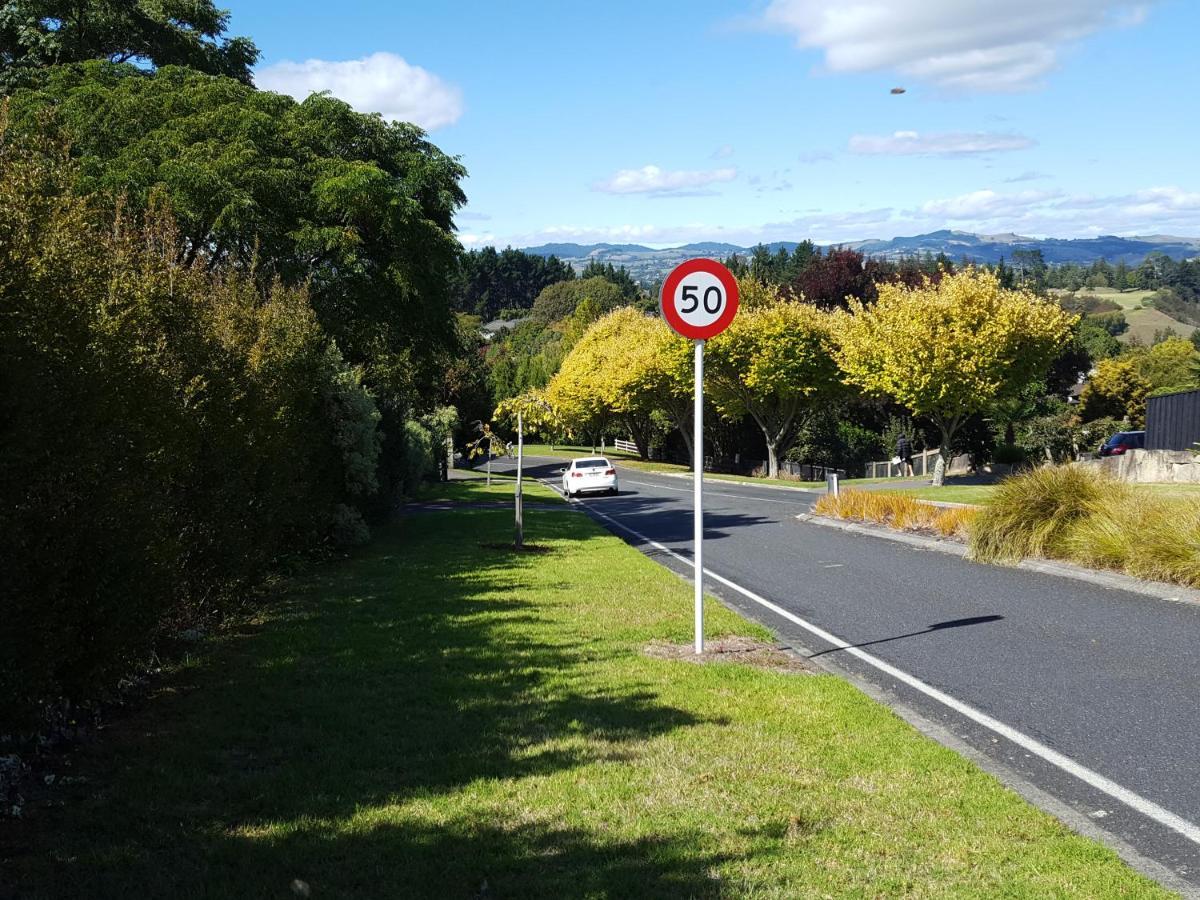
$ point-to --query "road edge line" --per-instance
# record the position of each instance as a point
(1134, 801)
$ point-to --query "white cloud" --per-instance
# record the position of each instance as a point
(1155, 210)
(985, 203)
(723, 152)
(1026, 176)
(470, 239)
(653, 180)
(953, 143)
(961, 45)
(382, 83)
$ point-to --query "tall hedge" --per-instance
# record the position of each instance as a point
(169, 429)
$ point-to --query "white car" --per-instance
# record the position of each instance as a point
(592, 473)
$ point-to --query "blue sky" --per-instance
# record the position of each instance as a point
(663, 122)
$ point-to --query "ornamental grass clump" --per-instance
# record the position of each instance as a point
(1144, 535)
(896, 511)
(1031, 514)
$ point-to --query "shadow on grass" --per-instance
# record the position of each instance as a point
(411, 673)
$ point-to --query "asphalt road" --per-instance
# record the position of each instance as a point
(1083, 698)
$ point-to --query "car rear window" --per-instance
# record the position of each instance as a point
(591, 463)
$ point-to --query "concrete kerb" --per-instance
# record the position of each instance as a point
(1161, 590)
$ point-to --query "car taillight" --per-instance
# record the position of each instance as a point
(576, 474)
(611, 472)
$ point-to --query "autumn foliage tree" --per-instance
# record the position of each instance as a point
(950, 349)
(773, 363)
(628, 367)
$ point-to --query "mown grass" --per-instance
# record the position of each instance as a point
(950, 493)
(429, 717)
(474, 487)
(1072, 513)
(899, 511)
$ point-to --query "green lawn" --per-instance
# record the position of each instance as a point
(474, 487)
(950, 493)
(429, 715)
(1143, 321)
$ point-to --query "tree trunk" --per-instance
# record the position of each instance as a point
(772, 460)
(947, 429)
(939, 468)
(685, 430)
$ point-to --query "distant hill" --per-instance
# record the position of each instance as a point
(649, 265)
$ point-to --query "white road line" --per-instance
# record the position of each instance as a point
(1147, 808)
(709, 493)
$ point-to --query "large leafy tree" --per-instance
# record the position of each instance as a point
(359, 208)
(560, 300)
(951, 349)
(487, 282)
(773, 363)
(631, 368)
(35, 34)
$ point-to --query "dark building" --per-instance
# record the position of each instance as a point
(1173, 421)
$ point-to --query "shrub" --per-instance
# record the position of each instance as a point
(1030, 514)
(170, 433)
(1008, 454)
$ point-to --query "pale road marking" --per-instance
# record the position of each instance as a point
(1147, 808)
(708, 493)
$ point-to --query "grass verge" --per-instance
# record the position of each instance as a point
(429, 717)
(977, 494)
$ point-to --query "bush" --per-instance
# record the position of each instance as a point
(419, 463)
(1030, 514)
(170, 433)
(1008, 454)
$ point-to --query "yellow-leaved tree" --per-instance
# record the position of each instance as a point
(950, 349)
(774, 363)
(630, 368)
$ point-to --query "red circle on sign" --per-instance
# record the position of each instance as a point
(677, 320)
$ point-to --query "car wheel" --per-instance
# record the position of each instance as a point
(613, 491)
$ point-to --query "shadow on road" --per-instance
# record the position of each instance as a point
(937, 626)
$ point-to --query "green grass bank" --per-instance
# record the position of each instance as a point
(429, 716)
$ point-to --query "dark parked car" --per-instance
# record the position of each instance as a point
(1122, 441)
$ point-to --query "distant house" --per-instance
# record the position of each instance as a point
(490, 329)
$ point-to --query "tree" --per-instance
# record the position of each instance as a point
(948, 350)
(773, 363)
(620, 369)
(618, 276)
(560, 300)
(837, 278)
(1117, 389)
(358, 209)
(487, 283)
(35, 34)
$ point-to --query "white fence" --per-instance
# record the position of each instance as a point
(625, 446)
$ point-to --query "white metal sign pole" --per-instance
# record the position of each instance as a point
(698, 495)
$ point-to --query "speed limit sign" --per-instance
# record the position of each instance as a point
(699, 298)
